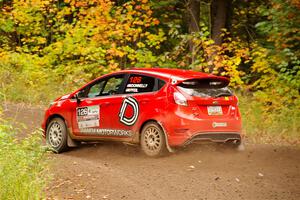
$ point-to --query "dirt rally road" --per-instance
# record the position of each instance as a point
(116, 171)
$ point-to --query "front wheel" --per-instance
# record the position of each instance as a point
(56, 135)
(153, 142)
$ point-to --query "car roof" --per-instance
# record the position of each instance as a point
(166, 73)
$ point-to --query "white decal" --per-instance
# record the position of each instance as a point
(137, 85)
(219, 124)
(135, 106)
(88, 116)
(106, 132)
(131, 90)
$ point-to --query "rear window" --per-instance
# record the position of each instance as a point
(206, 88)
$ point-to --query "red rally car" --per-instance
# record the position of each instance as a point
(156, 108)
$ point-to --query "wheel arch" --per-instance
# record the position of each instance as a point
(161, 126)
(55, 116)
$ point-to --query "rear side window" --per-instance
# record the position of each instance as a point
(139, 84)
(206, 88)
(160, 84)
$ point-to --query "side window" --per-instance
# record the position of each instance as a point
(112, 85)
(139, 84)
(95, 90)
(104, 87)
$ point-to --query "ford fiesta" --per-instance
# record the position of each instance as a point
(157, 108)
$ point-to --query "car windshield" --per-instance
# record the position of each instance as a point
(205, 88)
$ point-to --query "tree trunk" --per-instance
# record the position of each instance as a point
(219, 18)
(194, 15)
(194, 18)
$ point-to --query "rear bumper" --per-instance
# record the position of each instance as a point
(214, 137)
(183, 127)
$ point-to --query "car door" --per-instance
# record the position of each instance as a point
(92, 115)
(138, 100)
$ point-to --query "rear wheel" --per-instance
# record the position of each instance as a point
(56, 135)
(153, 142)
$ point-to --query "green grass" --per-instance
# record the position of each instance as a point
(23, 165)
(265, 124)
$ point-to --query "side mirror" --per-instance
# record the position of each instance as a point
(77, 99)
(80, 95)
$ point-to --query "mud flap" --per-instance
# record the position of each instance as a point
(71, 142)
(167, 141)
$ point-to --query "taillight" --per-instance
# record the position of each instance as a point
(237, 100)
(179, 99)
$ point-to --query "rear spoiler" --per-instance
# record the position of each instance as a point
(211, 80)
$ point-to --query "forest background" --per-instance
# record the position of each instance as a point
(50, 47)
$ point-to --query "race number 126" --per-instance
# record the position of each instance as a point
(82, 111)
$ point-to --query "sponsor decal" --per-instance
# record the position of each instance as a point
(131, 90)
(106, 132)
(219, 124)
(129, 101)
(141, 85)
(135, 79)
(135, 85)
(88, 116)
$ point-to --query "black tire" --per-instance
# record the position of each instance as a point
(56, 135)
(153, 141)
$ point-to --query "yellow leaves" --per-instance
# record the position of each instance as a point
(114, 51)
(138, 22)
(46, 2)
(224, 60)
(206, 70)
(129, 7)
(41, 40)
(147, 65)
(155, 40)
(237, 61)
(140, 44)
(85, 33)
